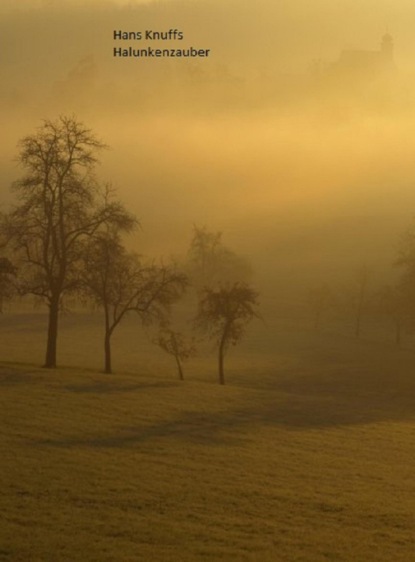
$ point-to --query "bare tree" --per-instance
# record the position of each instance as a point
(224, 313)
(210, 262)
(120, 283)
(397, 302)
(174, 343)
(60, 205)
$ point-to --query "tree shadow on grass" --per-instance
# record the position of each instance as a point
(233, 427)
(319, 413)
(189, 428)
(113, 387)
(106, 384)
(325, 387)
(12, 377)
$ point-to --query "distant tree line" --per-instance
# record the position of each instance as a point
(367, 302)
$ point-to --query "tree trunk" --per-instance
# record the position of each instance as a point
(179, 368)
(107, 341)
(107, 349)
(50, 359)
(221, 358)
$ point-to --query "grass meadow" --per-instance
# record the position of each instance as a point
(307, 454)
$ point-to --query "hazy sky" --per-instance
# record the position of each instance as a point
(247, 141)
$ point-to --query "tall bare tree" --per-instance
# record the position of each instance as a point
(60, 205)
(120, 283)
(224, 313)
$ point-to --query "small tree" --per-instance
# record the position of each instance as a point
(398, 303)
(175, 344)
(120, 283)
(224, 313)
(210, 262)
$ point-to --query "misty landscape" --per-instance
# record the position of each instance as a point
(207, 282)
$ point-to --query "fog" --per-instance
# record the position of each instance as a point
(273, 181)
(306, 167)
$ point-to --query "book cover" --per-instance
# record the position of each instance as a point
(206, 280)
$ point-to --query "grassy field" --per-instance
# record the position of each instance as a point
(307, 454)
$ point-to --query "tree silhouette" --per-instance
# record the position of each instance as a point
(224, 313)
(120, 283)
(60, 205)
(174, 343)
(210, 262)
(401, 301)
(397, 302)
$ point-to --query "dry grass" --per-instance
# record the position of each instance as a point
(306, 455)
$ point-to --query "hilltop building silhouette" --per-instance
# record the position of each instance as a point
(364, 64)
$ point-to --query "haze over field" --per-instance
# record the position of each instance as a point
(262, 140)
(295, 139)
